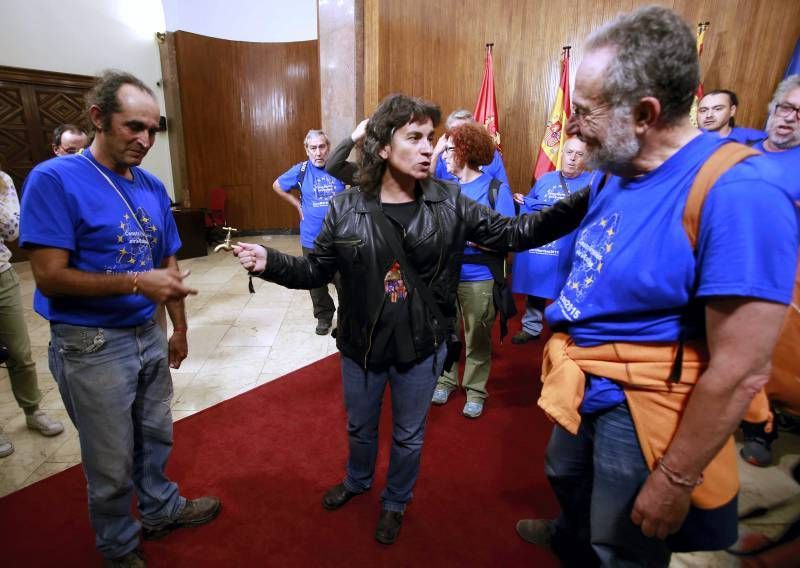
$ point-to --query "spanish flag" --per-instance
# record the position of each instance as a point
(701, 36)
(556, 126)
(486, 107)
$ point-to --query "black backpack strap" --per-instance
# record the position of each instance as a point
(494, 190)
(301, 175)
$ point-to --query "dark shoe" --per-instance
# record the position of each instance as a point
(389, 524)
(334, 332)
(536, 531)
(133, 559)
(757, 452)
(323, 327)
(196, 512)
(523, 337)
(757, 447)
(337, 496)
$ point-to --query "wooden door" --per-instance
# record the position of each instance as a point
(32, 104)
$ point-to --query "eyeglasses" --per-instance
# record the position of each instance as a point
(448, 149)
(582, 113)
(785, 110)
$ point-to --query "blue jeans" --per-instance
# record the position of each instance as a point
(534, 314)
(412, 389)
(596, 477)
(117, 388)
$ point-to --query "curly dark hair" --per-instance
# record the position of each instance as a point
(104, 93)
(395, 111)
(472, 144)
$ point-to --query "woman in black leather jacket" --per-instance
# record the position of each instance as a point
(387, 331)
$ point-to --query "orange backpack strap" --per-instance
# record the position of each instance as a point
(723, 159)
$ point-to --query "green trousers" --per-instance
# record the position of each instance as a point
(476, 311)
(14, 335)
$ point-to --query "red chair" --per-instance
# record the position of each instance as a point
(216, 215)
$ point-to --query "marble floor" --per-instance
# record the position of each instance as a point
(238, 341)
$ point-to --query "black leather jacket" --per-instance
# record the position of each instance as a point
(351, 243)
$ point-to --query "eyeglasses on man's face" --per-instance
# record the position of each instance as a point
(786, 110)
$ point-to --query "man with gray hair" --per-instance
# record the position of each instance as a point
(316, 187)
(439, 169)
(782, 146)
(663, 330)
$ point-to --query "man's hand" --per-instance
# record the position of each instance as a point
(661, 506)
(360, 132)
(178, 349)
(253, 258)
(440, 145)
(164, 284)
(519, 198)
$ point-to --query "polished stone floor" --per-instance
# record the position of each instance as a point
(238, 341)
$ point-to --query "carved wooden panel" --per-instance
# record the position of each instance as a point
(32, 104)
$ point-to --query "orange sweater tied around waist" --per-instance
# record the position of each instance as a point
(655, 402)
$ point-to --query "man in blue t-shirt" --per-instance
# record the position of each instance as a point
(102, 244)
(539, 273)
(782, 146)
(716, 112)
(438, 167)
(316, 188)
(638, 291)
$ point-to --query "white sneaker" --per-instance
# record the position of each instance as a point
(42, 423)
(6, 447)
(473, 409)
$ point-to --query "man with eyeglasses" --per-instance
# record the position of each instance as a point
(782, 146)
(658, 345)
(438, 168)
(316, 188)
(69, 139)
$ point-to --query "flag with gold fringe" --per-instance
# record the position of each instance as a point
(486, 107)
(555, 129)
(701, 36)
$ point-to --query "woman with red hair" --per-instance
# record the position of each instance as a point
(468, 147)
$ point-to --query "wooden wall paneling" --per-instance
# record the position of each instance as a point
(246, 108)
(408, 50)
(172, 109)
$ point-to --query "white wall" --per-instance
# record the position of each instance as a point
(245, 20)
(84, 37)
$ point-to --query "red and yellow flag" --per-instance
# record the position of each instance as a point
(701, 36)
(555, 133)
(486, 107)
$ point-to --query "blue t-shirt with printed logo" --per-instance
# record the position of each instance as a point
(478, 190)
(541, 271)
(494, 168)
(634, 272)
(316, 192)
(68, 204)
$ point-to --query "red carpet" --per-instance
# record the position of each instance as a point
(272, 452)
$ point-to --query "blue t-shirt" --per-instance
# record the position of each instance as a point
(67, 204)
(634, 272)
(318, 188)
(495, 169)
(789, 163)
(478, 190)
(541, 271)
(744, 135)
